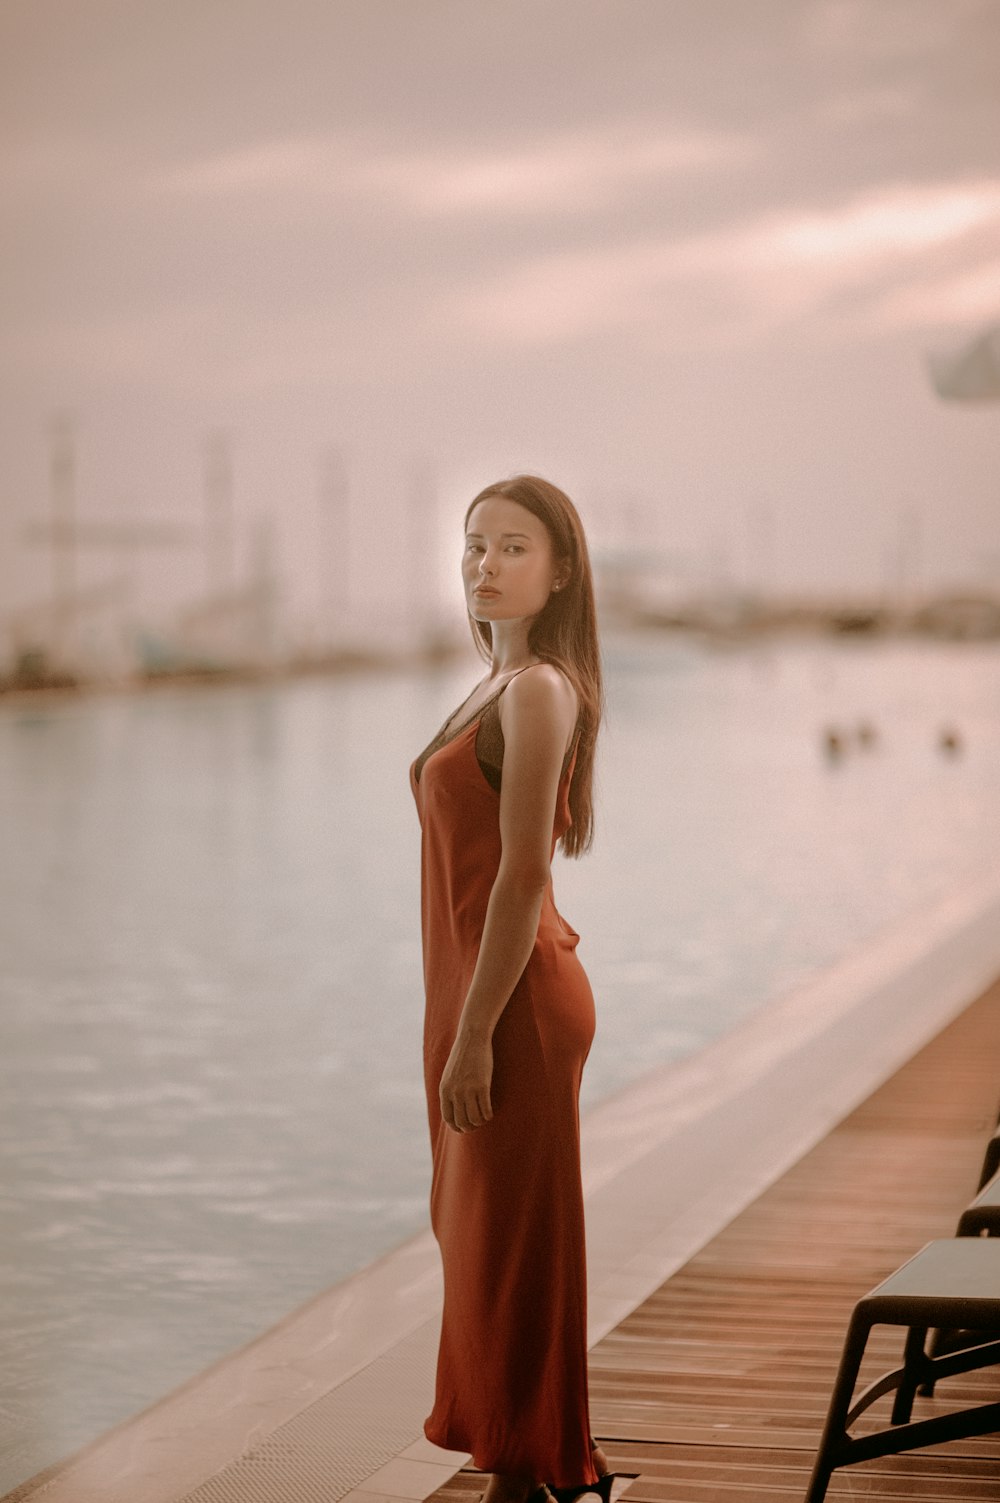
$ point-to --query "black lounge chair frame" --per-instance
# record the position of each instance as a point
(938, 1287)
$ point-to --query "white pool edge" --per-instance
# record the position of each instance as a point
(668, 1161)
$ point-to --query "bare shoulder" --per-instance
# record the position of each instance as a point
(542, 683)
(541, 692)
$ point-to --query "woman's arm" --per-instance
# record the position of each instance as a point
(538, 713)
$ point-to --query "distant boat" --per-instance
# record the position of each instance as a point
(160, 657)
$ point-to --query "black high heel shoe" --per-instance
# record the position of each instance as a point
(602, 1487)
(570, 1494)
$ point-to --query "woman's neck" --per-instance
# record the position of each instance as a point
(509, 648)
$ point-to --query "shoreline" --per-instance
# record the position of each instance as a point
(349, 664)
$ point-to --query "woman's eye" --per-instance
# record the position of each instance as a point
(514, 548)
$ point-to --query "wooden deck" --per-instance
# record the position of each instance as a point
(715, 1388)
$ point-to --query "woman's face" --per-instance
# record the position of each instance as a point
(508, 566)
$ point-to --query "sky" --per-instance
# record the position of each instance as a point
(686, 258)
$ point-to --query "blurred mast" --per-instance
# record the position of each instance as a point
(63, 539)
(333, 573)
(54, 623)
(760, 531)
(908, 556)
(220, 524)
(971, 373)
(422, 562)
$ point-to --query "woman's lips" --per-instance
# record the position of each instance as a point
(485, 590)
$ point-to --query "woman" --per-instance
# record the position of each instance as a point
(509, 1011)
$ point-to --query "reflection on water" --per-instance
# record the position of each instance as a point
(210, 1033)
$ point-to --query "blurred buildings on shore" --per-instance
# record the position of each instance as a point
(102, 636)
(636, 594)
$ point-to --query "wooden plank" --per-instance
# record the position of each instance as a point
(715, 1389)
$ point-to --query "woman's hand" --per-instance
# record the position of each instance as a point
(465, 1085)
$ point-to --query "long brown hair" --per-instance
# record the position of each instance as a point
(564, 633)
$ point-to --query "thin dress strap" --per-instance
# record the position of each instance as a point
(490, 743)
(444, 736)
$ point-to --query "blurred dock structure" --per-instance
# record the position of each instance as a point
(242, 621)
(642, 593)
(96, 636)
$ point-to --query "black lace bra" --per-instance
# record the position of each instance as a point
(489, 740)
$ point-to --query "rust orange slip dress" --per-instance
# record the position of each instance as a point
(506, 1198)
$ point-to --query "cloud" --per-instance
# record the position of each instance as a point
(752, 275)
(890, 222)
(309, 163)
(970, 297)
(120, 344)
(921, 28)
(867, 106)
(46, 166)
(195, 345)
(905, 256)
(579, 169)
(572, 170)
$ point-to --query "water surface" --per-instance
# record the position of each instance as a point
(211, 1099)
